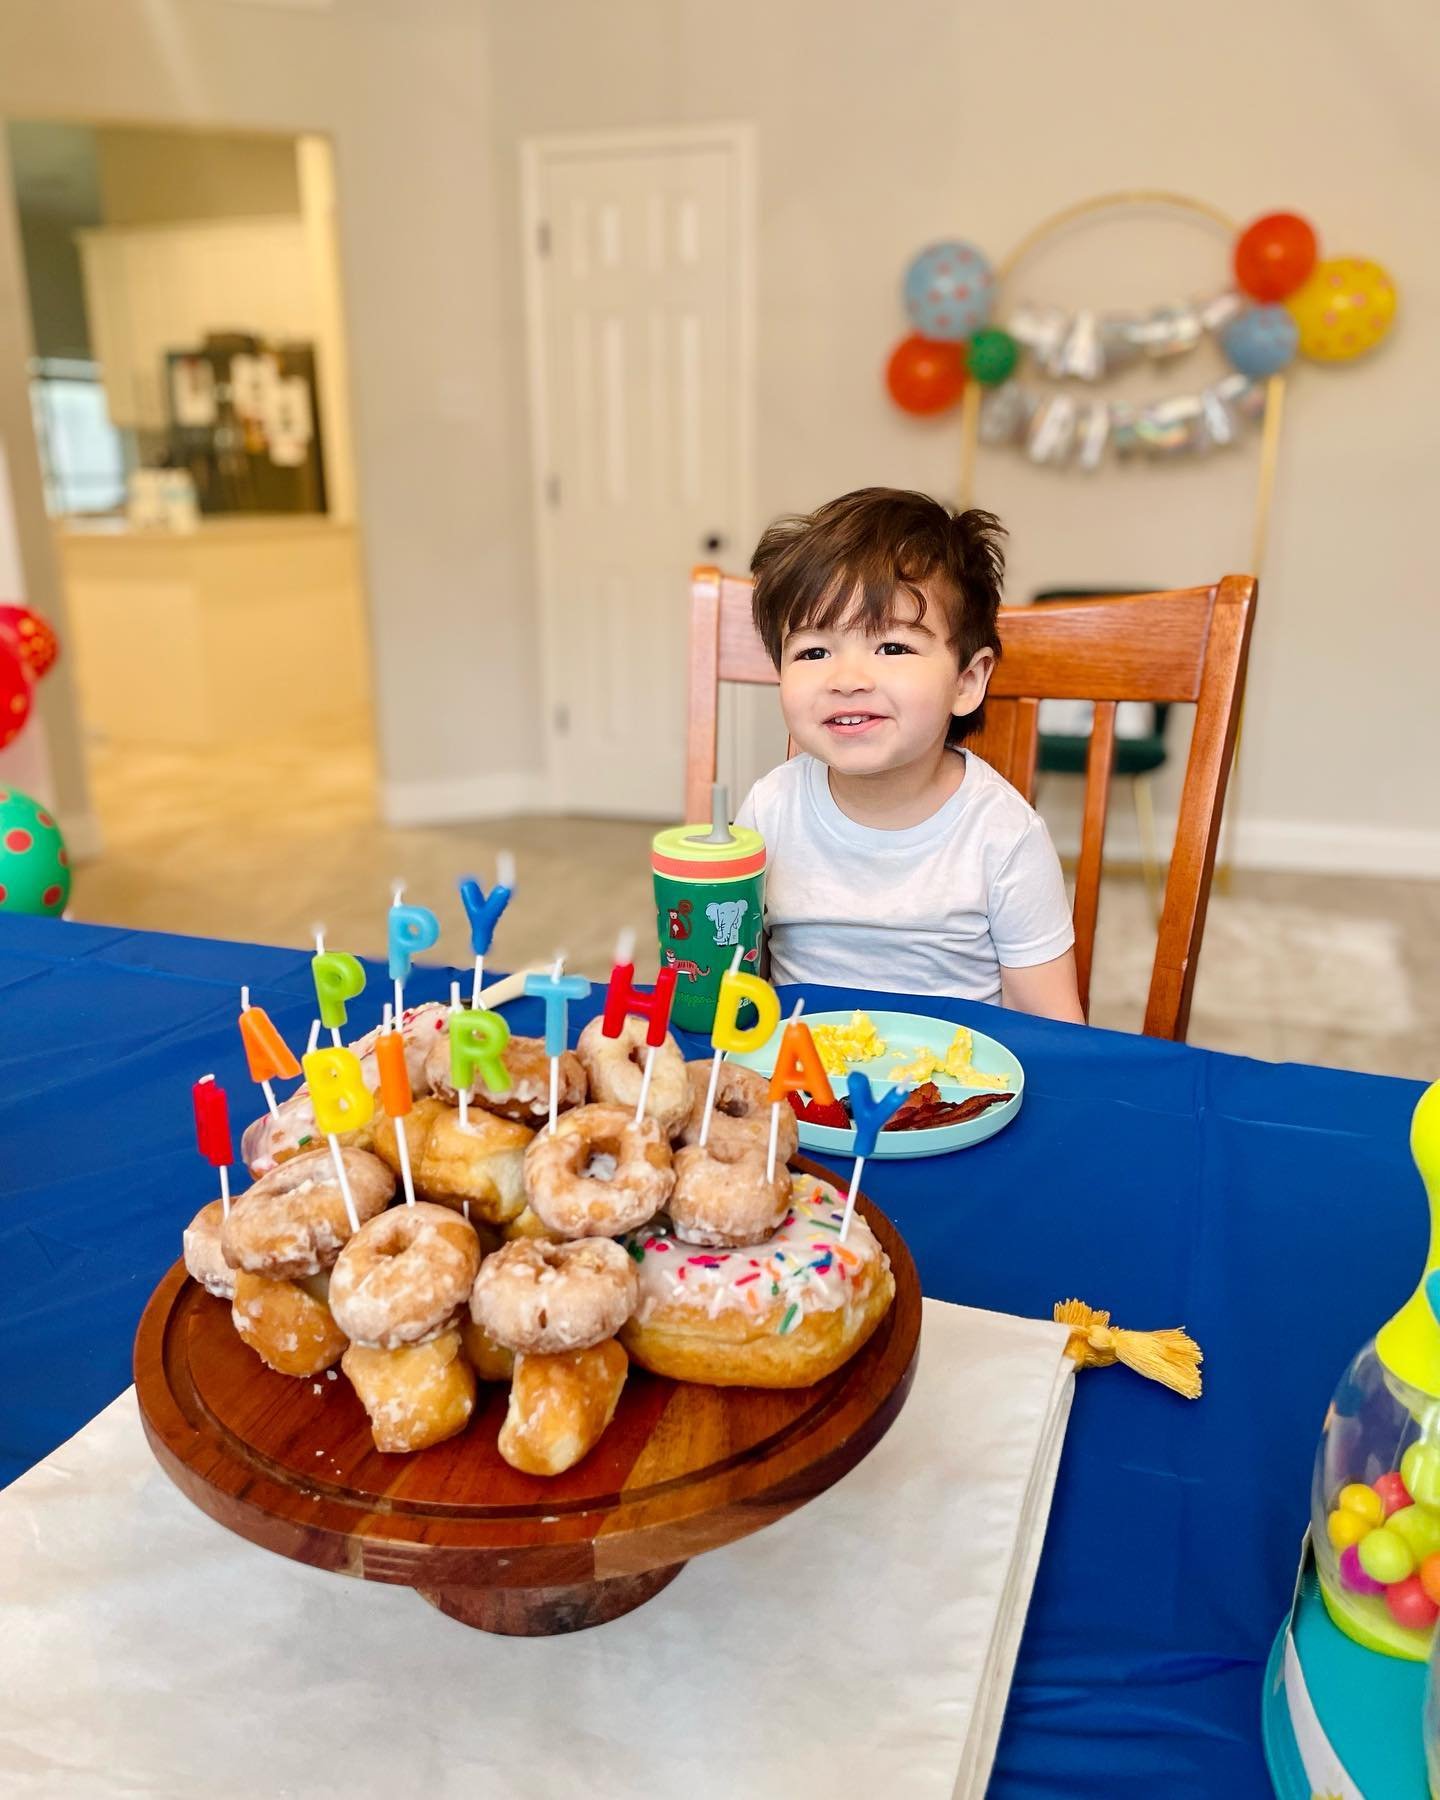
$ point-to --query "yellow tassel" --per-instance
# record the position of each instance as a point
(1172, 1358)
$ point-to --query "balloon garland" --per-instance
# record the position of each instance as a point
(1286, 302)
(28, 649)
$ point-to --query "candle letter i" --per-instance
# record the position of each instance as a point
(266, 1052)
(623, 1000)
(557, 991)
(342, 1102)
(483, 911)
(212, 1132)
(798, 1070)
(870, 1115)
(409, 929)
(395, 1095)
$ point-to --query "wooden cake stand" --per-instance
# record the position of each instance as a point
(290, 1465)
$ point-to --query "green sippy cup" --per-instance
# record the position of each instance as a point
(709, 900)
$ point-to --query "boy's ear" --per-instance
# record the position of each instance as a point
(973, 680)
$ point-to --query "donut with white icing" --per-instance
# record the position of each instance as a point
(741, 1114)
(615, 1069)
(600, 1172)
(528, 1096)
(780, 1314)
(723, 1195)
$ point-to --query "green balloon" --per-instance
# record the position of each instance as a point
(992, 356)
(34, 863)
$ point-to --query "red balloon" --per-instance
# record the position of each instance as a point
(923, 376)
(15, 694)
(36, 640)
(1274, 256)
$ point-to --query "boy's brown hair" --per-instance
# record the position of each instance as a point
(852, 557)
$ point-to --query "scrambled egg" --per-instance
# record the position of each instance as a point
(840, 1046)
(957, 1063)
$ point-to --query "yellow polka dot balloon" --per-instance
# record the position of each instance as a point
(1344, 309)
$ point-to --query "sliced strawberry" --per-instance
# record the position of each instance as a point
(816, 1112)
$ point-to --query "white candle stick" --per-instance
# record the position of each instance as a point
(462, 1095)
(776, 1105)
(479, 976)
(224, 1191)
(320, 951)
(715, 1068)
(314, 1037)
(645, 1083)
(402, 1147)
(399, 984)
(850, 1198)
(265, 1087)
(344, 1181)
(555, 975)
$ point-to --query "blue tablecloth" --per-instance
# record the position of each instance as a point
(1271, 1209)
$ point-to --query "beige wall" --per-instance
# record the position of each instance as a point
(882, 127)
(403, 91)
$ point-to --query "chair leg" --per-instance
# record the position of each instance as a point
(1149, 857)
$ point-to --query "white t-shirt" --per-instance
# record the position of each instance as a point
(935, 908)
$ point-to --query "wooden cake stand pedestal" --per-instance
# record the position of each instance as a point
(290, 1465)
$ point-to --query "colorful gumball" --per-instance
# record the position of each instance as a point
(34, 863)
(1344, 309)
(1430, 1577)
(948, 290)
(1359, 1498)
(16, 690)
(1410, 1605)
(925, 377)
(1392, 1491)
(991, 356)
(1420, 1471)
(1353, 1576)
(1261, 342)
(1346, 1528)
(1385, 1556)
(38, 644)
(1274, 256)
(1420, 1528)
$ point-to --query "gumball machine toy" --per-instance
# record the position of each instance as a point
(1338, 1717)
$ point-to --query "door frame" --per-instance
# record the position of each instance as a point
(536, 154)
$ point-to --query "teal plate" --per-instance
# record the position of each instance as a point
(906, 1035)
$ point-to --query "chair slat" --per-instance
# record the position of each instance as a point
(1099, 763)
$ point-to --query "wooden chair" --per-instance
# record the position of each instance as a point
(1189, 645)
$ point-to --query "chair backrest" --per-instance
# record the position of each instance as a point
(1190, 645)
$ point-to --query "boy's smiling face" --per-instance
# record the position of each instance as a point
(866, 701)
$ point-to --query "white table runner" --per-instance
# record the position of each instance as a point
(864, 1644)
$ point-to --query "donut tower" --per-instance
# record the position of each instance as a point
(441, 1203)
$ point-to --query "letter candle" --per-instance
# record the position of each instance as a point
(483, 911)
(212, 1132)
(395, 1094)
(870, 1115)
(728, 1034)
(623, 999)
(338, 978)
(342, 1102)
(557, 991)
(266, 1051)
(477, 1040)
(798, 1069)
(408, 930)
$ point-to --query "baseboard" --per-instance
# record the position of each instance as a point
(1399, 851)
(463, 798)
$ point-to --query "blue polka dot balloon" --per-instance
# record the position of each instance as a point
(948, 290)
(1261, 341)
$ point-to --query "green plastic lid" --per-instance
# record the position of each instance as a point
(695, 844)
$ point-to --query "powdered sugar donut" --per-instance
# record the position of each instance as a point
(782, 1314)
(598, 1173)
(403, 1276)
(204, 1259)
(292, 1223)
(742, 1111)
(541, 1297)
(724, 1197)
(529, 1097)
(615, 1067)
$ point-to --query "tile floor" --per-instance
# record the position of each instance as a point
(1341, 970)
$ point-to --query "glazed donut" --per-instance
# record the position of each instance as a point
(482, 1162)
(417, 1395)
(489, 1360)
(287, 1324)
(722, 1195)
(267, 1141)
(204, 1259)
(293, 1221)
(781, 1314)
(529, 1097)
(540, 1297)
(742, 1111)
(560, 1406)
(598, 1173)
(403, 1276)
(615, 1067)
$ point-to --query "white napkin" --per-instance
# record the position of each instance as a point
(865, 1643)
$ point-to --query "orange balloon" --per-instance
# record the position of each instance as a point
(923, 376)
(266, 1051)
(798, 1068)
(1274, 256)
